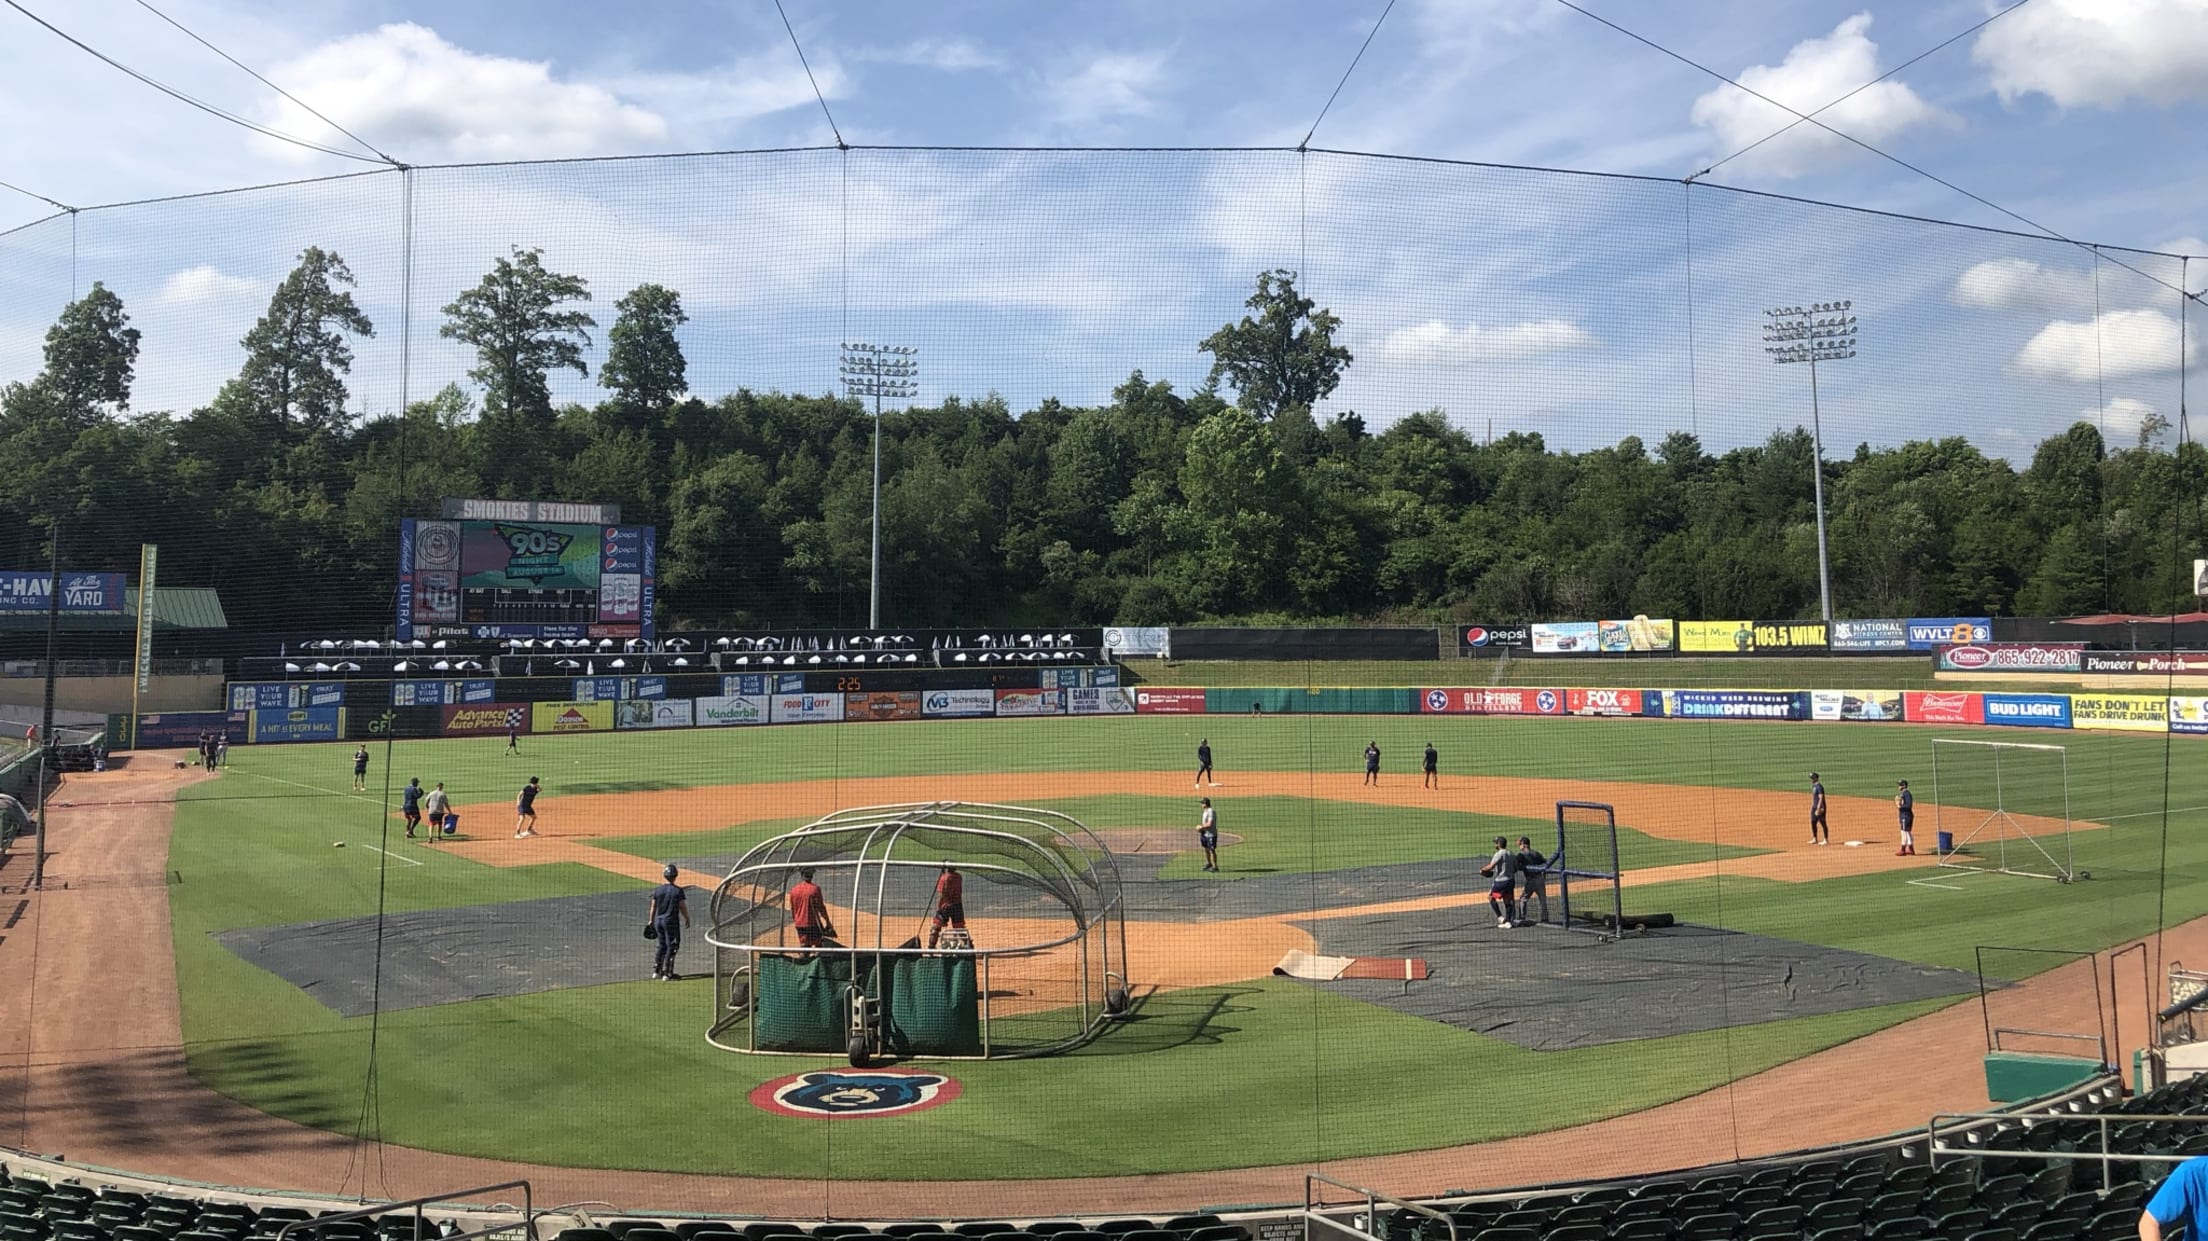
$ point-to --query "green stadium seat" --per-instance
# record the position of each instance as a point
(1941, 1198)
(1536, 1218)
(1576, 1232)
(2049, 1183)
(1580, 1213)
(2112, 1226)
(1507, 1234)
(1901, 1228)
(1832, 1213)
(21, 1201)
(1641, 1230)
(22, 1232)
(1779, 1174)
(1716, 1227)
(1993, 1234)
(2132, 1196)
(828, 1230)
(1808, 1193)
(1190, 1223)
(138, 1232)
(1697, 1202)
(1911, 1179)
(914, 1230)
(2079, 1204)
(1773, 1219)
(1999, 1191)
(76, 1230)
(657, 1233)
(1864, 1185)
(1961, 1222)
(622, 1227)
(1218, 1232)
(1901, 1205)
(1114, 1227)
(2052, 1230)
(1749, 1199)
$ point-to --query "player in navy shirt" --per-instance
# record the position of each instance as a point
(1819, 832)
(411, 806)
(360, 764)
(525, 810)
(1203, 764)
(1905, 805)
(670, 912)
(1372, 762)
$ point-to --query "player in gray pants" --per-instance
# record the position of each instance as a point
(1533, 880)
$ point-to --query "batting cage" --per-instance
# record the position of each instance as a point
(1585, 870)
(945, 929)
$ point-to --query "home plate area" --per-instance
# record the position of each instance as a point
(1547, 989)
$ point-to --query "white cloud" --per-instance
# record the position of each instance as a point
(404, 88)
(2099, 52)
(948, 55)
(2004, 284)
(2119, 343)
(1106, 86)
(1816, 72)
(1436, 343)
(2120, 419)
(205, 283)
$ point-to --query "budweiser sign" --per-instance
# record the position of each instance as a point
(1933, 707)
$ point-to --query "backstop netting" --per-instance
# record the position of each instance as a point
(2002, 806)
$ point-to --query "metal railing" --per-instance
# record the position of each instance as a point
(1315, 1211)
(528, 1223)
(1975, 1121)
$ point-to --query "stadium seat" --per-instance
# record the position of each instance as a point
(2052, 1230)
(1750, 1198)
(823, 1230)
(623, 1227)
(1993, 1234)
(76, 1230)
(1773, 1219)
(1941, 1198)
(1052, 1227)
(2049, 1183)
(1641, 1230)
(1190, 1223)
(2132, 1196)
(1832, 1213)
(1865, 1185)
(1808, 1193)
(1878, 1210)
(585, 1234)
(1219, 1232)
(1715, 1227)
(1580, 1213)
(1696, 1202)
(2112, 1225)
(1576, 1232)
(1961, 1222)
(1114, 1227)
(982, 1228)
(2076, 1205)
(1900, 1228)
(1999, 1191)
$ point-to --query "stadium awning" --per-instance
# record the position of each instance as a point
(2126, 618)
(174, 607)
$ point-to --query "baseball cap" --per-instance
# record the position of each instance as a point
(671, 871)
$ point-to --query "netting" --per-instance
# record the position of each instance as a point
(1515, 398)
(2014, 801)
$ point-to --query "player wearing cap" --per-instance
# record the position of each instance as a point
(809, 912)
(670, 912)
(1501, 871)
(1905, 806)
(1819, 832)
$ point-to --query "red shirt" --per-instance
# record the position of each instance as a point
(950, 889)
(807, 909)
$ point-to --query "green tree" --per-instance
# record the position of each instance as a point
(1284, 357)
(644, 367)
(298, 354)
(91, 358)
(519, 321)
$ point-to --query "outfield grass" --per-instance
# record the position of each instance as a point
(1666, 672)
(1303, 1074)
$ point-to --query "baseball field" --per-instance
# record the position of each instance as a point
(559, 1050)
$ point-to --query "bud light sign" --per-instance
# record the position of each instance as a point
(2028, 710)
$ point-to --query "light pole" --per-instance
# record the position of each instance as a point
(1821, 332)
(879, 371)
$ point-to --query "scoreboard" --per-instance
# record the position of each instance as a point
(488, 578)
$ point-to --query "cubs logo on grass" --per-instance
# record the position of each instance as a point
(838, 1093)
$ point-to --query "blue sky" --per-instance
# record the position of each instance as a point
(1571, 305)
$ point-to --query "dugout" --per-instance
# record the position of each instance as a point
(1042, 969)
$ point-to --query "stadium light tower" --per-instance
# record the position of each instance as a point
(879, 371)
(1820, 332)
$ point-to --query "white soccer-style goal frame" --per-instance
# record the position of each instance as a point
(2014, 851)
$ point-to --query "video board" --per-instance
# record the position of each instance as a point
(525, 579)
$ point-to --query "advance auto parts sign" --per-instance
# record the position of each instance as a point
(842, 1094)
(488, 719)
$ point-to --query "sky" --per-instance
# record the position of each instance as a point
(1604, 299)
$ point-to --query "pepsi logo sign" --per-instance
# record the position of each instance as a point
(1475, 636)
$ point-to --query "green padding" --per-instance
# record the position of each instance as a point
(804, 1003)
(2014, 1077)
(934, 1006)
(1318, 701)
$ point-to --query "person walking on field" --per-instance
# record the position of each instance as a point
(435, 806)
(809, 912)
(1820, 833)
(1207, 835)
(1432, 767)
(950, 904)
(1533, 881)
(513, 740)
(1372, 763)
(670, 912)
(1905, 805)
(1203, 764)
(410, 807)
(525, 810)
(360, 766)
(1500, 889)
(222, 749)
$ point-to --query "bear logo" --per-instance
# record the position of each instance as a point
(845, 1093)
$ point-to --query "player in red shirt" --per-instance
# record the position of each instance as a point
(950, 903)
(809, 912)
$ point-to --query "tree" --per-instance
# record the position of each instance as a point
(296, 357)
(515, 322)
(91, 356)
(1283, 358)
(644, 366)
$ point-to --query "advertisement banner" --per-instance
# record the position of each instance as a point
(1729, 704)
(732, 709)
(1639, 635)
(1491, 701)
(1936, 707)
(570, 717)
(81, 593)
(2129, 713)
(298, 724)
(285, 695)
(1150, 701)
(476, 691)
(1099, 700)
(789, 708)
(422, 693)
(954, 702)
(1030, 702)
(183, 728)
(745, 685)
(1856, 704)
(1156, 641)
(881, 705)
(1927, 633)
(1602, 701)
(2012, 657)
(1791, 636)
(597, 689)
(489, 719)
(2146, 663)
(653, 713)
(1566, 638)
(2028, 710)
(1870, 635)
(1477, 637)
(149, 561)
(1721, 637)
(2189, 715)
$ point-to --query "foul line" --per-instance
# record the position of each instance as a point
(1927, 883)
(2148, 814)
(338, 793)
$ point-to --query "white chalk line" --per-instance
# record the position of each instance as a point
(377, 801)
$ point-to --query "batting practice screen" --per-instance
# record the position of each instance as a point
(525, 579)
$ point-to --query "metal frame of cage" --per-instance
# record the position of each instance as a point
(883, 827)
(1561, 869)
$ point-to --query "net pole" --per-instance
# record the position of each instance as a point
(2069, 847)
(1939, 819)
(2000, 809)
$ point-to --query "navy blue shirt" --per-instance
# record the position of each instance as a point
(1908, 805)
(667, 903)
(528, 797)
(413, 797)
